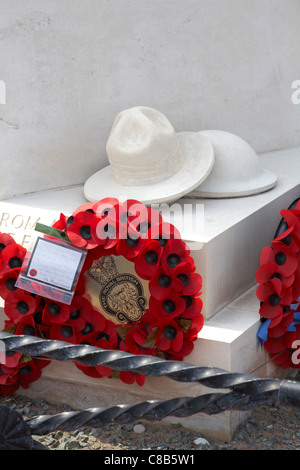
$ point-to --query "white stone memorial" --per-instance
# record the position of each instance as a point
(204, 65)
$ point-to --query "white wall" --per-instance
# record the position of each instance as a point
(71, 65)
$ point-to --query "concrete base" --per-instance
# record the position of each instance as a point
(229, 245)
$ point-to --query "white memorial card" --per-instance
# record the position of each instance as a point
(54, 264)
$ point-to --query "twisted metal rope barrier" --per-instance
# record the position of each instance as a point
(152, 410)
(148, 365)
(247, 391)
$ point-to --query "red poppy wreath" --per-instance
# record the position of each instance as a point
(279, 290)
(165, 324)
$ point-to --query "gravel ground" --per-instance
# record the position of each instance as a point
(267, 428)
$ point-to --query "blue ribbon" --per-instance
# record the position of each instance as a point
(262, 333)
(295, 322)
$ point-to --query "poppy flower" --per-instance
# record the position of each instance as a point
(106, 337)
(11, 257)
(191, 282)
(5, 240)
(277, 330)
(7, 282)
(108, 230)
(192, 330)
(92, 371)
(273, 296)
(103, 207)
(282, 256)
(94, 322)
(137, 341)
(8, 375)
(186, 349)
(55, 312)
(38, 319)
(112, 221)
(269, 271)
(12, 359)
(132, 212)
(31, 371)
(18, 304)
(80, 311)
(26, 326)
(147, 261)
(172, 306)
(174, 253)
(169, 336)
(289, 238)
(161, 284)
(277, 345)
(130, 245)
(80, 229)
(292, 217)
(146, 219)
(63, 332)
(193, 307)
(164, 232)
(129, 377)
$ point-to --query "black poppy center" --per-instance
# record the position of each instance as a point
(143, 227)
(75, 315)
(26, 370)
(173, 260)
(15, 262)
(280, 258)
(132, 242)
(10, 283)
(105, 211)
(2, 246)
(274, 300)
(184, 278)
(124, 217)
(109, 231)
(22, 307)
(102, 335)
(170, 332)
(85, 232)
(87, 329)
(164, 280)
(169, 306)
(188, 300)
(287, 240)
(54, 308)
(162, 241)
(70, 221)
(277, 276)
(29, 330)
(66, 331)
(151, 257)
(38, 318)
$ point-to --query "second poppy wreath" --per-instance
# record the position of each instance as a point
(138, 291)
(279, 291)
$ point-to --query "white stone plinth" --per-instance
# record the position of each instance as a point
(230, 242)
(227, 243)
